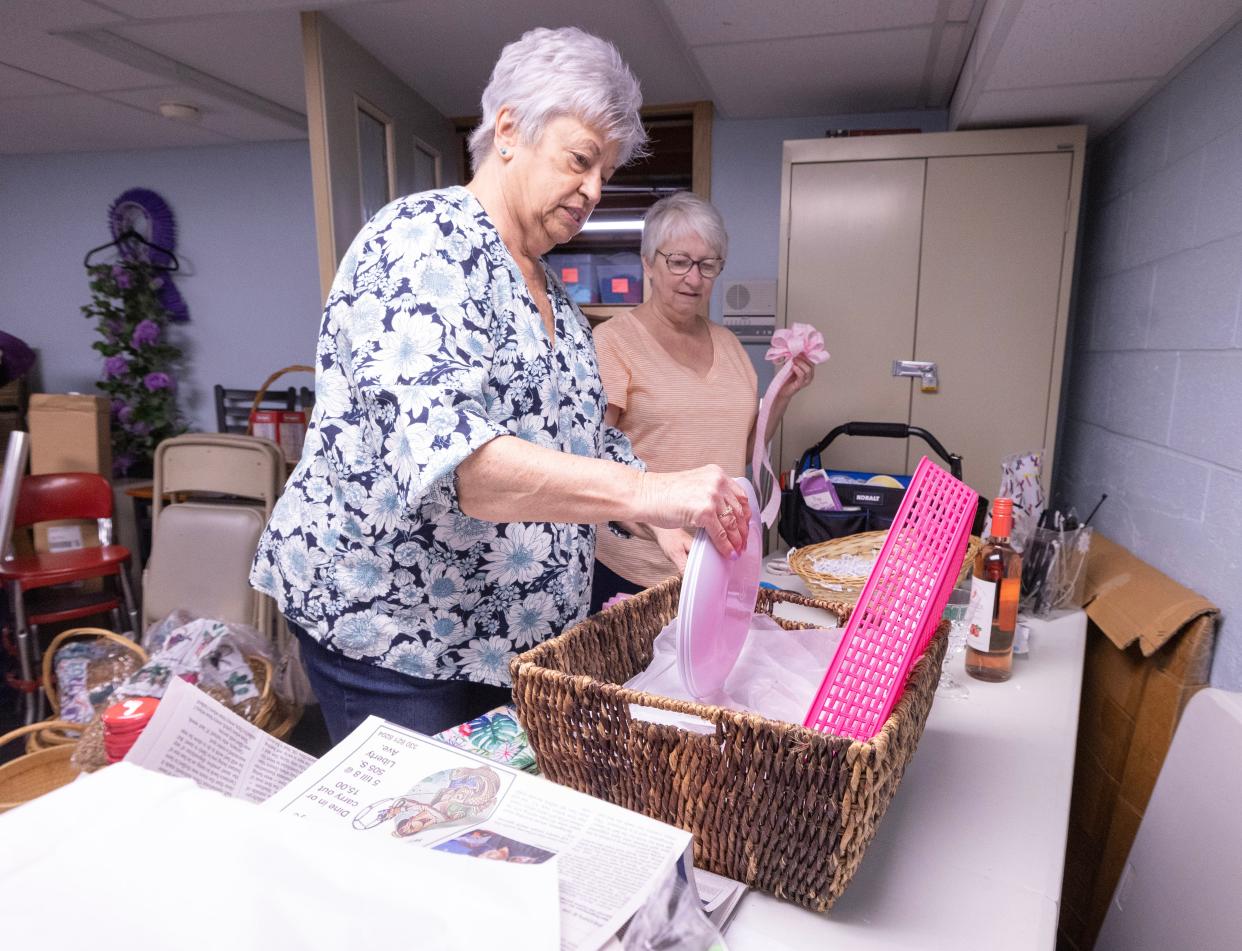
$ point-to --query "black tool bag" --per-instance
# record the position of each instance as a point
(800, 525)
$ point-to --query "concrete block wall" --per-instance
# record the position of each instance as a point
(1154, 407)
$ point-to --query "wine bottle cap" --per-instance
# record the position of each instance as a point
(1002, 517)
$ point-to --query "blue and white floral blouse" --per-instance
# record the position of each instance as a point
(430, 346)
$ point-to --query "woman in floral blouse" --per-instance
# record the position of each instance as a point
(441, 517)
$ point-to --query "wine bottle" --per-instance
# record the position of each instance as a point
(995, 589)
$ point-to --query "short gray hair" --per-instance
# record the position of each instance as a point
(567, 72)
(683, 213)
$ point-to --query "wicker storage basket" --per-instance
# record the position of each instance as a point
(782, 808)
(34, 774)
(847, 588)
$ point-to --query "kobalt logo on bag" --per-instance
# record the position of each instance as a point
(866, 497)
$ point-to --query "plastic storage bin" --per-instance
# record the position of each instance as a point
(620, 279)
(577, 273)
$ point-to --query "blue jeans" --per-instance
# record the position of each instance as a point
(350, 690)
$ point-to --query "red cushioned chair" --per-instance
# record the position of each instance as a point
(37, 583)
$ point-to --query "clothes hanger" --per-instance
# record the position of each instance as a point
(129, 234)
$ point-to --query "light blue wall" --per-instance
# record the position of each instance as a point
(245, 228)
(746, 187)
(1154, 414)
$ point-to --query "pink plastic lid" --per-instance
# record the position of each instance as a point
(717, 602)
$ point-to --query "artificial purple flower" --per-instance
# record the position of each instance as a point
(115, 366)
(147, 332)
(121, 463)
(125, 414)
(139, 428)
(118, 405)
(121, 276)
(157, 381)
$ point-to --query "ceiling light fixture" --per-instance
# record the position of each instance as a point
(181, 111)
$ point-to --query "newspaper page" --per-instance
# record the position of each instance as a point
(194, 736)
(385, 780)
(719, 896)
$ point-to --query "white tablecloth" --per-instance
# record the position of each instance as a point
(971, 851)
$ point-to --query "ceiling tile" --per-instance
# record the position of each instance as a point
(824, 57)
(867, 72)
(216, 115)
(1099, 106)
(948, 62)
(28, 42)
(19, 82)
(165, 9)
(1128, 39)
(46, 16)
(731, 21)
(85, 123)
(961, 9)
(449, 61)
(261, 52)
(65, 61)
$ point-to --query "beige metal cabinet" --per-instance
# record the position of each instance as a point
(953, 248)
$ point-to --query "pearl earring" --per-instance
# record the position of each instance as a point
(504, 151)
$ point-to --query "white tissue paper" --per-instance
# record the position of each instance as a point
(777, 675)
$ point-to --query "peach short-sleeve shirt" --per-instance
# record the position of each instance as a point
(675, 419)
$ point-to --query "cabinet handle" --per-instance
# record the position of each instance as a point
(926, 371)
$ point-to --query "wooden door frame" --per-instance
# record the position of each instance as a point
(321, 171)
(701, 114)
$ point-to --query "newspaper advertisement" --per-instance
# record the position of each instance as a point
(194, 736)
(385, 780)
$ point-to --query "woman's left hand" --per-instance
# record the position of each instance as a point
(799, 379)
(675, 543)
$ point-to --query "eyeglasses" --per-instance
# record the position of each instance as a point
(679, 263)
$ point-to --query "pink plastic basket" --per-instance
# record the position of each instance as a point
(899, 608)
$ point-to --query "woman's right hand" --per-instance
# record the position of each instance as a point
(704, 498)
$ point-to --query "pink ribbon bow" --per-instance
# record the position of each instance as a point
(800, 340)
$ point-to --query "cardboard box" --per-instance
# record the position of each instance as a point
(69, 432)
(1149, 650)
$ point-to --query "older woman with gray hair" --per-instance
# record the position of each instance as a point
(681, 387)
(441, 517)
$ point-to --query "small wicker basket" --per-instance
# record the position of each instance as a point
(847, 588)
(779, 807)
(261, 392)
(84, 741)
(34, 774)
(132, 657)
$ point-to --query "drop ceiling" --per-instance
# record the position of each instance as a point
(80, 75)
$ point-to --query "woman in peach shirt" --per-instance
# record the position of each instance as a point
(681, 387)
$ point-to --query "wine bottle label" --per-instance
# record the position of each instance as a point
(982, 610)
